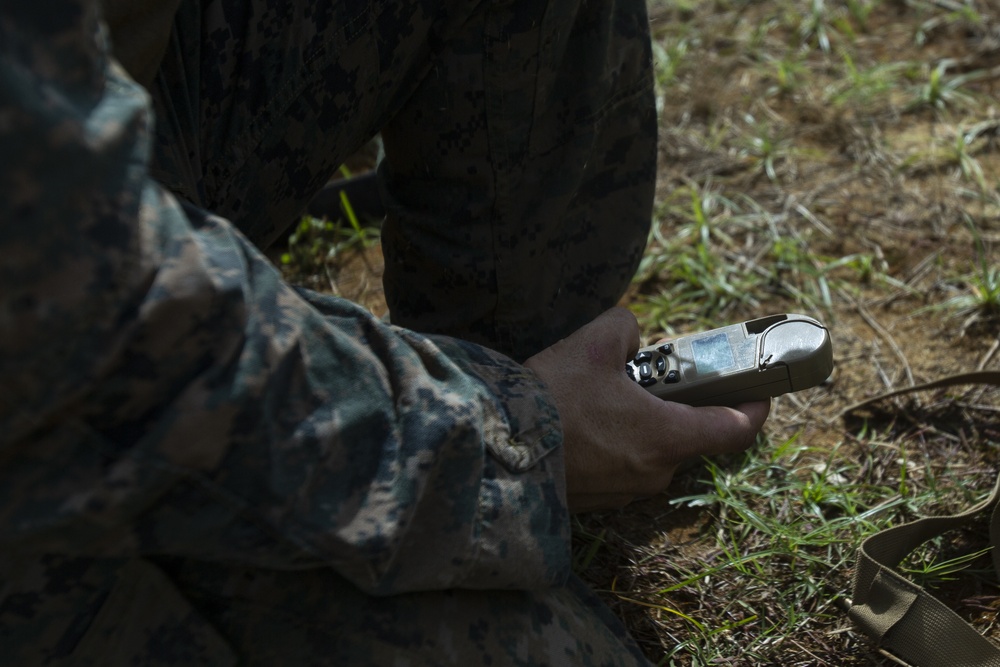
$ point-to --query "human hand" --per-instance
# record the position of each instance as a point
(620, 441)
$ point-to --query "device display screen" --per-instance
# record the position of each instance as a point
(713, 353)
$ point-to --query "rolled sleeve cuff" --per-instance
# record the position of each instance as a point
(523, 516)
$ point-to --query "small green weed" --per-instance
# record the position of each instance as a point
(864, 88)
(940, 89)
(861, 10)
(315, 244)
(957, 14)
(929, 570)
(819, 24)
(979, 302)
(963, 153)
(668, 56)
(766, 147)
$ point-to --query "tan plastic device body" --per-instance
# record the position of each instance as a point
(749, 361)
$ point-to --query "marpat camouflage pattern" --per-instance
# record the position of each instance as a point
(201, 465)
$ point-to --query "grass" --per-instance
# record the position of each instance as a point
(842, 160)
(314, 248)
(768, 570)
(836, 159)
(979, 300)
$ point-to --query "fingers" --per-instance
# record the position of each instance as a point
(714, 430)
(620, 441)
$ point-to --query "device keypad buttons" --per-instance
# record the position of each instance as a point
(650, 366)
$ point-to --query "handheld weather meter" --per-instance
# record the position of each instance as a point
(750, 361)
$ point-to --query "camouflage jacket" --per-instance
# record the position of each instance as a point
(164, 392)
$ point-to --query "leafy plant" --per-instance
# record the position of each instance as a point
(862, 87)
(942, 90)
(766, 147)
(930, 571)
(981, 302)
(861, 10)
(668, 56)
(787, 72)
(315, 244)
(819, 23)
(956, 13)
(966, 143)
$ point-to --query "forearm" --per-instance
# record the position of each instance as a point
(166, 393)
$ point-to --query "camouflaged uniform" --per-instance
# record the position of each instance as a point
(200, 465)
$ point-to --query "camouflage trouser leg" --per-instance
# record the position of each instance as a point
(70, 612)
(316, 618)
(257, 103)
(520, 144)
(521, 174)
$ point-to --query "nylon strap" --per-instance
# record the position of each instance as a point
(900, 616)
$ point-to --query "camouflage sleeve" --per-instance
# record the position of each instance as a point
(164, 392)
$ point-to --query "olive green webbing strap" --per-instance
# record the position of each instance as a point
(900, 616)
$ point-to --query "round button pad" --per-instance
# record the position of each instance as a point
(654, 364)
